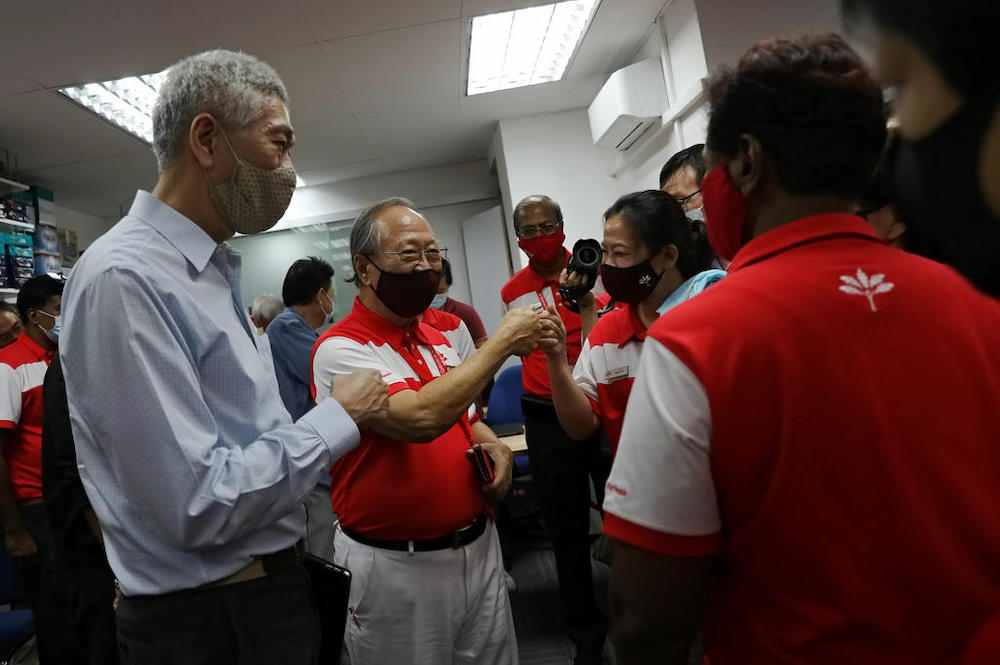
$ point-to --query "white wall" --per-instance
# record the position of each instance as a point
(88, 227)
(554, 154)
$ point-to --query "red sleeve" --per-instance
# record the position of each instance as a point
(660, 542)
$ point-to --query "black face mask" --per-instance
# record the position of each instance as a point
(407, 294)
(935, 187)
(632, 284)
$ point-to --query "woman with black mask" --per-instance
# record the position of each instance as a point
(651, 252)
(944, 172)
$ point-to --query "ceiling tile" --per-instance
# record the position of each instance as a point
(529, 100)
(337, 141)
(314, 90)
(46, 129)
(346, 18)
(392, 69)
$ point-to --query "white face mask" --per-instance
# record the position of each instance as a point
(327, 316)
(253, 199)
(698, 214)
(438, 301)
(53, 332)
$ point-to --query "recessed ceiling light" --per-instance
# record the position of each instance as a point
(126, 103)
(525, 46)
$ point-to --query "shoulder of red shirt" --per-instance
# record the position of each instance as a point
(441, 320)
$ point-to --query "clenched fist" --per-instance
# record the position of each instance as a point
(519, 329)
(363, 394)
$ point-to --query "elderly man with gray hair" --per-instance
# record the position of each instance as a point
(191, 462)
(265, 308)
(416, 498)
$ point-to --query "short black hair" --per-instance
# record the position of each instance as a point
(304, 279)
(35, 293)
(691, 156)
(956, 35)
(813, 106)
(446, 271)
(536, 199)
(659, 221)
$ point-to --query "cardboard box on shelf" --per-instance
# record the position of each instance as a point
(46, 240)
(68, 247)
(20, 250)
(46, 263)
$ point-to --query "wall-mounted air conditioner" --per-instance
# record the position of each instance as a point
(631, 100)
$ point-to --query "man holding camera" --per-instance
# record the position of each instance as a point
(560, 466)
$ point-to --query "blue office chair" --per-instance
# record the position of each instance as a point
(504, 408)
(16, 625)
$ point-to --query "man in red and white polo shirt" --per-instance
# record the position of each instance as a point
(415, 528)
(28, 537)
(453, 329)
(560, 467)
(811, 444)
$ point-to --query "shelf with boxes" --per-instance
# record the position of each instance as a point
(14, 211)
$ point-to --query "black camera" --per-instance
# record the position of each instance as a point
(585, 261)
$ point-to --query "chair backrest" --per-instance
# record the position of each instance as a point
(10, 584)
(504, 407)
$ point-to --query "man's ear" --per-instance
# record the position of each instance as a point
(747, 168)
(204, 137)
(363, 269)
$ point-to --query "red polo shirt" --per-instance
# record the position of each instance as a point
(386, 488)
(526, 288)
(22, 370)
(828, 418)
(607, 365)
(454, 330)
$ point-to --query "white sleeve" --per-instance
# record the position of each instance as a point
(583, 371)
(461, 339)
(340, 355)
(660, 491)
(10, 395)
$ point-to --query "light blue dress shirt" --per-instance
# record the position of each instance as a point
(186, 452)
(292, 342)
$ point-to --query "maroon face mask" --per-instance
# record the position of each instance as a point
(407, 294)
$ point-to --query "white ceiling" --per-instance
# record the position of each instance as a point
(376, 86)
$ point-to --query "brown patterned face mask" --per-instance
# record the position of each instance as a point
(253, 199)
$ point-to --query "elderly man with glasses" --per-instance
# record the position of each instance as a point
(415, 499)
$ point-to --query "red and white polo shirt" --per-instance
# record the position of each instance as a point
(22, 370)
(526, 288)
(385, 488)
(607, 365)
(454, 330)
(828, 418)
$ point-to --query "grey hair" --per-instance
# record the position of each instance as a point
(267, 305)
(535, 199)
(231, 86)
(365, 234)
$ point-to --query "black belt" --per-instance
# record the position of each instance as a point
(454, 540)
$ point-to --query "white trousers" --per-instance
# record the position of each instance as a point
(447, 607)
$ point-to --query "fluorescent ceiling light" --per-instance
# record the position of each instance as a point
(525, 46)
(126, 103)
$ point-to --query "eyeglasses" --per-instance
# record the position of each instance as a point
(413, 256)
(683, 201)
(545, 229)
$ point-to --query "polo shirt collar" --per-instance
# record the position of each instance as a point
(801, 232)
(635, 328)
(190, 239)
(33, 347)
(387, 330)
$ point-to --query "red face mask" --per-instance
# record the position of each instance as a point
(543, 249)
(725, 213)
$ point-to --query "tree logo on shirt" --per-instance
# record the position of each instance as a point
(866, 286)
(645, 280)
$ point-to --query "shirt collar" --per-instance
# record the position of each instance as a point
(34, 347)
(387, 330)
(189, 238)
(801, 232)
(637, 330)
